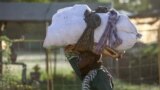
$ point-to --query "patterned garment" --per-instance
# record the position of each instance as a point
(73, 59)
(102, 81)
(88, 78)
(96, 79)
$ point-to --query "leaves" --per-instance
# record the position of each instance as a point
(6, 44)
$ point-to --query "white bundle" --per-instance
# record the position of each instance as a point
(68, 25)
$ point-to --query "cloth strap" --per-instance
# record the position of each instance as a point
(109, 36)
(86, 41)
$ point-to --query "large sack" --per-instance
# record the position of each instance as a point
(68, 25)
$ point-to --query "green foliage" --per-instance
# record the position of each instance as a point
(69, 82)
(132, 5)
(9, 81)
(149, 50)
(6, 51)
(33, 0)
(14, 85)
(6, 39)
(120, 85)
(75, 0)
(44, 1)
(24, 0)
(140, 64)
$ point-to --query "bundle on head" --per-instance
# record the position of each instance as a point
(86, 41)
(78, 24)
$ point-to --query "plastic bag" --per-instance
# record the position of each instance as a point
(68, 25)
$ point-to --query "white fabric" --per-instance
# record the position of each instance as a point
(68, 25)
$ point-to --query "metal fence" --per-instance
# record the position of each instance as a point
(137, 70)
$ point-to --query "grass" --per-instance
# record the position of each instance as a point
(121, 85)
(65, 78)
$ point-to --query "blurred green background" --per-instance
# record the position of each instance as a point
(137, 70)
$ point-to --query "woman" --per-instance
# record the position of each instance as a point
(85, 56)
(88, 66)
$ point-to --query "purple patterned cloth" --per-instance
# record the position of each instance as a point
(109, 37)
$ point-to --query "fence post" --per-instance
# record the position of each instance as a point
(2, 27)
(55, 63)
(49, 66)
(1, 66)
(117, 68)
(159, 51)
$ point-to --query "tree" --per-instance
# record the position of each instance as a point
(132, 5)
(24, 0)
(54, 0)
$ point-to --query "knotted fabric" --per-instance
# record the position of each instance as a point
(86, 41)
(109, 36)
